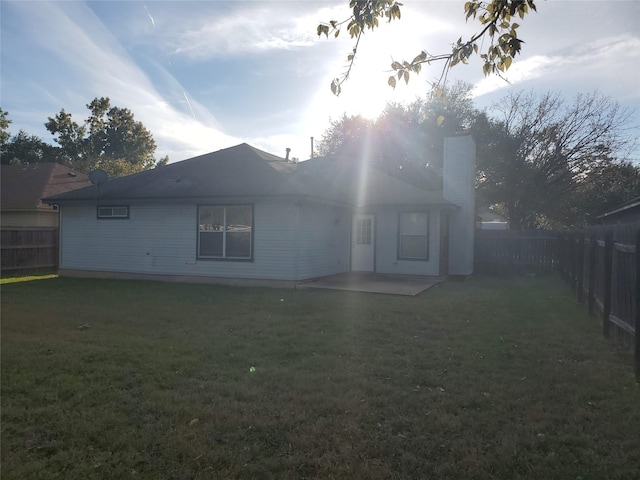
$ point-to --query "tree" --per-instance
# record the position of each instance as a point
(110, 139)
(406, 141)
(538, 152)
(542, 161)
(343, 134)
(496, 18)
(4, 127)
(602, 189)
(28, 148)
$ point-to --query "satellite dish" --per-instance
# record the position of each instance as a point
(98, 177)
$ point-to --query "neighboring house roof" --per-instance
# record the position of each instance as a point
(23, 186)
(485, 214)
(626, 209)
(247, 171)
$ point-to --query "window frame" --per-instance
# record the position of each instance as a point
(112, 217)
(224, 258)
(426, 236)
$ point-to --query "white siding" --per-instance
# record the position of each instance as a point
(162, 239)
(458, 178)
(323, 241)
(387, 246)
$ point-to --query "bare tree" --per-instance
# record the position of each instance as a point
(536, 151)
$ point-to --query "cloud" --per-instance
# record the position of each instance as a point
(90, 61)
(248, 29)
(594, 60)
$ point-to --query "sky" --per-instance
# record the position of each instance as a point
(206, 75)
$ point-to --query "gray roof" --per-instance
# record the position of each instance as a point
(23, 186)
(247, 171)
(366, 185)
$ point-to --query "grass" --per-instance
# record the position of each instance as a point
(26, 278)
(488, 378)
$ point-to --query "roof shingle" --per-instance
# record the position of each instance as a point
(23, 186)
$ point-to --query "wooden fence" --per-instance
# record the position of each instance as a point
(505, 251)
(29, 248)
(603, 265)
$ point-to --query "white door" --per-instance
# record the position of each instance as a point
(362, 243)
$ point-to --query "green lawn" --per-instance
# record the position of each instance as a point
(487, 378)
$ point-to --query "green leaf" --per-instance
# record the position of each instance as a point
(420, 58)
(507, 62)
(406, 77)
(335, 87)
(323, 29)
(440, 120)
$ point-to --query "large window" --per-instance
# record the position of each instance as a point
(413, 236)
(225, 231)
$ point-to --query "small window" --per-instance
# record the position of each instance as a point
(363, 231)
(225, 232)
(413, 236)
(113, 211)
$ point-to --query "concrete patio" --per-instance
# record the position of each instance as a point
(374, 283)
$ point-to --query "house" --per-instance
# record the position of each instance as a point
(487, 219)
(628, 212)
(23, 187)
(244, 216)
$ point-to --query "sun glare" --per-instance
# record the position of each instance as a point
(367, 92)
(367, 99)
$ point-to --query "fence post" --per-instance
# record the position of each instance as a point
(608, 270)
(580, 255)
(593, 245)
(573, 239)
(637, 319)
(563, 255)
(559, 252)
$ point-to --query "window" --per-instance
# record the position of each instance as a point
(363, 231)
(113, 211)
(225, 231)
(413, 236)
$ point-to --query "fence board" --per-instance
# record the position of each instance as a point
(636, 317)
(622, 324)
(501, 251)
(616, 282)
(29, 248)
